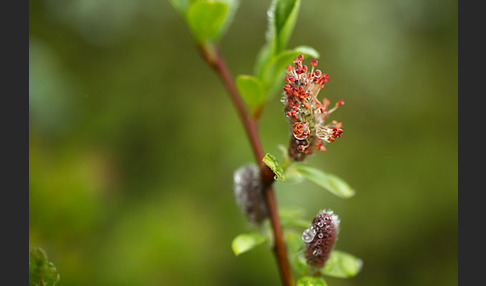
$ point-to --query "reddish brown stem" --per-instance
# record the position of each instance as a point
(214, 58)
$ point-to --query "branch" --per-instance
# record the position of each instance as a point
(214, 58)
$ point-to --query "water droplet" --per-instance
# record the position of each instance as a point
(309, 234)
(320, 235)
(316, 252)
(275, 178)
(320, 223)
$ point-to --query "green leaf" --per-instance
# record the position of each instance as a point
(294, 241)
(269, 48)
(311, 281)
(295, 222)
(181, 5)
(232, 7)
(252, 91)
(295, 249)
(292, 217)
(266, 52)
(285, 17)
(330, 182)
(273, 164)
(282, 16)
(41, 271)
(307, 51)
(276, 67)
(293, 212)
(206, 19)
(342, 265)
(247, 241)
(292, 175)
(273, 72)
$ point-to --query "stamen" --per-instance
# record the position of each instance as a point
(306, 113)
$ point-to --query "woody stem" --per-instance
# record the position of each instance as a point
(214, 58)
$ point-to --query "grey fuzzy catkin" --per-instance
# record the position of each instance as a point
(248, 192)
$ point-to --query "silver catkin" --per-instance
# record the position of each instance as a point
(248, 192)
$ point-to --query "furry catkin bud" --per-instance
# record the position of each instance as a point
(319, 238)
(248, 193)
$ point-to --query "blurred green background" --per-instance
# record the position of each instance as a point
(133, 141)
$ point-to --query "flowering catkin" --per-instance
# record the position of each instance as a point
(319, 238)
(307, 115)
(248, 191)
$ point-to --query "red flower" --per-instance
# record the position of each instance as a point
(306, 113)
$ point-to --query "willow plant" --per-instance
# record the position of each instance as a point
(303, 257)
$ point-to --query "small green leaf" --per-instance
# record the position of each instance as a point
(342, 265)
(251, 90)
(247, 241)
(295, 222)
(311, 281)
(294, 241)
(295, 246)
(274, 70)
(285, 13)
(273, 164)
(293, 212)
(292, 175)
(328, 181)
(181, 5)
(300, 263)
(275, 67)
(264, 55)
(282, 16)
(307, 51)
(41, 271)
(232, 7)
(292, 217)
(269, 48)
(206, 19)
